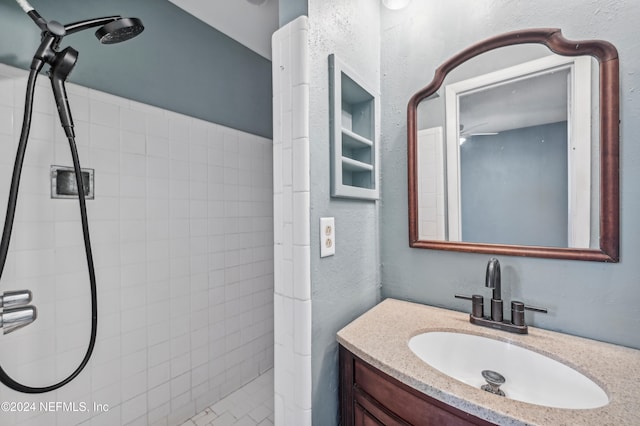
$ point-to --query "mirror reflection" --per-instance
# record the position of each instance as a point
(513, 149)
(511, 162)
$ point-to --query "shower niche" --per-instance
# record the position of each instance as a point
(353, 110)
(64, 184)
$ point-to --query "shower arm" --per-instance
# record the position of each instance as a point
(69, 28)
(89, 23)
(53, 32)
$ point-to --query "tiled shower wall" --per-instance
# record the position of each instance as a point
(182, 231)
(431, 184)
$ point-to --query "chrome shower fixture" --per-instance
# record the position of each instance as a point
(11, 299)
(14, 314)
(16, 318)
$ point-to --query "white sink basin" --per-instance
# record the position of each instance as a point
(530, 376)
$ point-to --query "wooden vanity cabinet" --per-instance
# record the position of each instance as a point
(369, 397)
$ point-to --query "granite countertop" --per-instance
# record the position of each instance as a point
(381, 335)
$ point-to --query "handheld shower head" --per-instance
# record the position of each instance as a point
(61, 63)
(61, 67)
(119, 30)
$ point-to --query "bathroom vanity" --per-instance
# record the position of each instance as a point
(383, 382)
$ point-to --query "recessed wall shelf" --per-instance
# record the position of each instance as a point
(64, 185)
(353, 112)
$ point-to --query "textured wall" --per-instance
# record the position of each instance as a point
(178, 63)
(347, 284)
(595, 300)
(181, 228)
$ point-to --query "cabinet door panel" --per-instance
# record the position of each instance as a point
(363, 418)
(378, 412)
(371, 397)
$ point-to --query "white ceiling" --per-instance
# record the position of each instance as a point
(243, 20)
(528, 102)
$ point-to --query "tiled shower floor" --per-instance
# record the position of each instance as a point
(251, 405)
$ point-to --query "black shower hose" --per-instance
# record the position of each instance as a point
(8, 227)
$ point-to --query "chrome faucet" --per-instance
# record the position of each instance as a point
(496, 320)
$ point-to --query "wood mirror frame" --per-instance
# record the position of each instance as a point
(609, 95)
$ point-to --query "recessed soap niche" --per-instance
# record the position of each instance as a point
(64, 185)
(353, 112)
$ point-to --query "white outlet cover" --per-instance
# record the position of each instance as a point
(327, 236)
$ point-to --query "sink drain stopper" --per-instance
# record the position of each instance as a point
(494, 380)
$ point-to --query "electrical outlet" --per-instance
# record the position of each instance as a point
(327, 236)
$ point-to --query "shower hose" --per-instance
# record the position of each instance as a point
(8, 226)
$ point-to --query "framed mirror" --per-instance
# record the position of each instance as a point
(513, 150)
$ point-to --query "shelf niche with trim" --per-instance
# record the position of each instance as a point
(353, 109)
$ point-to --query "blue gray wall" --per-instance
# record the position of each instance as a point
(514, 187)
(347, 284)
(178, 62)
(288, 10)
(591, 299)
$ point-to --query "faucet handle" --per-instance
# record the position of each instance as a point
(517, 312)
(10, 299)
(477, 304)
(14, 318)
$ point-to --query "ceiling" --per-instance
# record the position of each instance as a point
(532, 101)
(250, 22)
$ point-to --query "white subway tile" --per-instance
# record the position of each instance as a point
(300, 109)
(301, 165)
(6, 120)
(135, 363)
(157, 146)
(134, 341)
(135, 315)
(157, 125)
(104, 160)
(132, 120)
(103, 137)
(299, 57)
(175, 197)
(302, 272)
(102, 375)
(157, 167)
(301, 225)
(103, 113)
(133, 164)
(302, 325)
(133, 187)
(178, 150)
(108, 396)
(42, 125)
(132, 209)
(134, 385)
(134, 408)
(159, 395)
(302, 382)
(134, 143)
